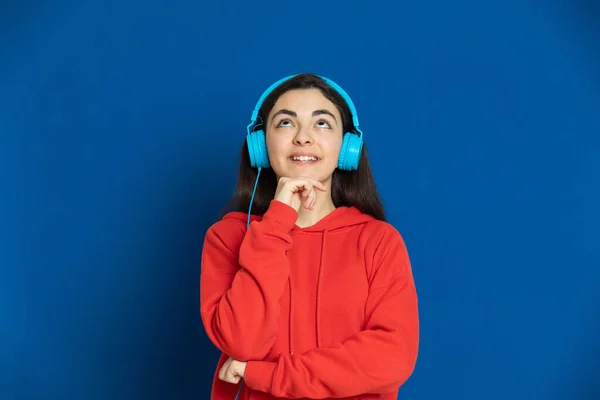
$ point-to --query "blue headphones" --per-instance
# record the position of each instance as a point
(351, 146)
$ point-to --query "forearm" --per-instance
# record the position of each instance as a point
(240, 306)
(377, 360)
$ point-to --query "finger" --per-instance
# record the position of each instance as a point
(315, 184)
(310, 197)
(298, 184)
(307, 194)
(307, 185)
(232, 377)
(224, 369)
(307, 203)
(295, 185)
(304, 186)
(319, 185)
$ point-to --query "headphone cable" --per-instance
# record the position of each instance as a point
(252, 198)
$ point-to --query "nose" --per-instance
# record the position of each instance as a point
(303, 137)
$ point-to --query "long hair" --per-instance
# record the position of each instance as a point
(348, 188)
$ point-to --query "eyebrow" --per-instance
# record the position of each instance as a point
(314, 113)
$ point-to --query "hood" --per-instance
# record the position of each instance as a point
(338, 219)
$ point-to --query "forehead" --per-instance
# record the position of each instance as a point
(304, 99)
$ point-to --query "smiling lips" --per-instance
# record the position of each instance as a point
(304, 159)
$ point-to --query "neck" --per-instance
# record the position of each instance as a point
(323, 206)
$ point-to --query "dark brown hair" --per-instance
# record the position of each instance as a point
(348, 188)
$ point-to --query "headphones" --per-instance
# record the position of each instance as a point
(350, 152)
(257, 146)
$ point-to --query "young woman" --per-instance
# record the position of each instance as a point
(305, 288)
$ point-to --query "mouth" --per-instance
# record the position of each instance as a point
(304, 160)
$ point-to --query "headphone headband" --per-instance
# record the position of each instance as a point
(331, 83)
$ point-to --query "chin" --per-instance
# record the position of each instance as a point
(313, 172)
(316, 176)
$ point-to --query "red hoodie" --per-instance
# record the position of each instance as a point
(327, 311)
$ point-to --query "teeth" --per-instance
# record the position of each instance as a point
(304, 158)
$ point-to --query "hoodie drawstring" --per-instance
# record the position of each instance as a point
(291, 347)
(317, 314)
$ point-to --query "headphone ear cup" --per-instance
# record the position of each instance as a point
(350, 152)
(257, 149)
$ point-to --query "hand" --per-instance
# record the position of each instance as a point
(232, 371)
(296, 191)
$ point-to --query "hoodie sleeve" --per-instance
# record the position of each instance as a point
(240, 289)
(378, 359)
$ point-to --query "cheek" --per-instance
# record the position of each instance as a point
(273, 147)
(333, 148)
(277, 151)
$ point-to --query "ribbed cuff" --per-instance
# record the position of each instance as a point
(259, 375)
(281, 214)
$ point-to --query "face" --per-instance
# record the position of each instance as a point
(304, 135)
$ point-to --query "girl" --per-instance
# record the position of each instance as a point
(305, 288)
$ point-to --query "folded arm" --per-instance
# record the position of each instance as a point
(378, 359)
(240, 289)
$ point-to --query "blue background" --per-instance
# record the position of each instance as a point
(120, 126)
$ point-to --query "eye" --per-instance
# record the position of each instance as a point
(323, 124)
(284, 123)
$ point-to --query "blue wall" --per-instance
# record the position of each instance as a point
(120, 122)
